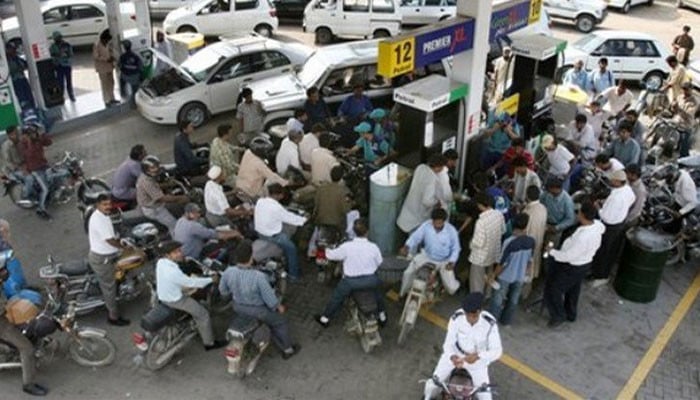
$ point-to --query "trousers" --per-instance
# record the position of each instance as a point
(64, 74)
(13, 336)
(162, 215)
(200, 315)
(103, 266)
(479, 372)
(477, 277)
(290, 252)
(609, 251)
(348, 285)
(274, 320)
(563, 288)
(449, 281)
(107, 86)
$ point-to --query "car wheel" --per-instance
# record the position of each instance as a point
(626, 7)
(585, 23)
(323, 36)
(654, 78)
(264, 30)
(186, 29)
(679, 4)
(650, 3)
(196, 113)
(381, 33)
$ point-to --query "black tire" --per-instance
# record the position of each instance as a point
(195, 112)
(264, 30)
(381, 33)
(657, 77)
(15, 193)
(650, 3)
(626, 7)
(585, 23)
(87, 192)
(679, 4)
(154, 359)
(92, 350)
(324, 36)
(186, 29)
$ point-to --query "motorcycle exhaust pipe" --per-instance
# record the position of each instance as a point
(88, 305)
(10, 365)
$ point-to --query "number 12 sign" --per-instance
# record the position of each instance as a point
(396, 57)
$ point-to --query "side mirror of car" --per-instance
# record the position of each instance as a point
(596, 54)
(326, 91)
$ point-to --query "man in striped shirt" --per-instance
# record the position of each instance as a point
(486, 242)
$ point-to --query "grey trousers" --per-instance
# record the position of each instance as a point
(13, 336)
(200, 315)
(162, 215)
(217, 220)
(103, 266)
(477, 278)
(277, 323)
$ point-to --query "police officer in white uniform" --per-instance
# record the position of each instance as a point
(472, 343)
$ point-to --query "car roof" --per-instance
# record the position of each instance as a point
(232, 47)
(615, 34)
(361, 51)
(58, 3)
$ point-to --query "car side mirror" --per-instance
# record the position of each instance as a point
(596, 54)
(326, 91)
(216, 78)
(297, 68)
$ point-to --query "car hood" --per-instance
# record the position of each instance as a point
(178, 13)
(169, 77)
(277, 92)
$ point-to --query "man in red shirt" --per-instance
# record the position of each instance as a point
(32, 149)
(516, 149)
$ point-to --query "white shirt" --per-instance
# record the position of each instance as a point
(595, 120)
(588, 142)
(482, 338)
(294, 124)
(617, 205)
(616, 102)
(521, 183)
(287, 155)
(322, 161)
(615, 165)
(445, 187)
(559, 159)
(581, 246)
(685, 193)
(170, 280)
(359, 256)
(270, 215)
(423, 195)
(306, 146)
(215, 200)
(100, 229)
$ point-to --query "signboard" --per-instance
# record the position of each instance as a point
(40, 50)
(425, 46)
(430, 93)
(513, 18)
(509, 105)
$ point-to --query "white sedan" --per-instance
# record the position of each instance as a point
(209, 81)
(632, 56)
(161, 8)
(79, 21)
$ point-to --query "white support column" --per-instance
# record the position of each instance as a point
(114, 17)
(34, 42)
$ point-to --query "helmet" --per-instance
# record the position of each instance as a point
(149, 162)
(261, 146)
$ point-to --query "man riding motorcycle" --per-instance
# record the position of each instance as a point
(12, 160)
(685, 108)
(254, 171)
(150, 197)
(31, 148)
(124, 179)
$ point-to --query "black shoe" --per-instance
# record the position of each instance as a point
(118, 322)
(43, 214)
(217, 345)
(295, 350)
(317, 317)
(553, 324)
(35, 389)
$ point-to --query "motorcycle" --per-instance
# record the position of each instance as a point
(651, 100)
(459, 386)
(426, 288)
(89, 347)
(356, 180)
(327, 237)
(248, 337)
(166, 330)
(593, 186)
(64, 178)
(75, 280)
(363, 319)
(663, 134)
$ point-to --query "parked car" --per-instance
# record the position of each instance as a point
(631, 56)
(352, 19)
(585, 14)
(625, 5)
(223, 17)
(290, 9)
(693, 4)
(79, 21)
(333, 70)
(422, 12)
(161, 8)
(209, 81)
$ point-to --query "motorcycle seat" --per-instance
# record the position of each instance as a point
(133, 217)
(76, 267)
(425, 270)
(365, 300)
(160, 316)
(242, 326)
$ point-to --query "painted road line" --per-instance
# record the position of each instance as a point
(659, 344)
(509, 361)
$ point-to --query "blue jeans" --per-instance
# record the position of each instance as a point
(64, 75)
(504, 301)
(275, 321)
(290, 252)
(24, 93)
(40, 177)
(684, 142)
(347, 286)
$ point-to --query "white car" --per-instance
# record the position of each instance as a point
(352, 19)
(223, 17)
(693, 4)
(161, 8)
(210, 80)
(79, 21)
(422, 12)
(625, 5)
(631, 56)
(585, 14)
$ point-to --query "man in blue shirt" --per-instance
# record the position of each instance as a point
(357, 106)
(511, 271)
(254, 297)
(600, 79)
(577, 76)
(374, 150)
(440, 246)
(560, 209)
(624, 148)
(130, 68)
(502, 129)
(186, 162)
(316, 109)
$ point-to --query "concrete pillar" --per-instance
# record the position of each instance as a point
(34, 42)
(114, 17)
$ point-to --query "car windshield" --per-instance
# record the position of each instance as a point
(313, 70)
(201, 63)
(587, 43)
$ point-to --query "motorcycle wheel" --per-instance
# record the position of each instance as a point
(15, 193)
(88, 191)
(92, 350)
(365, 343)
(157, 355)
(408, 322)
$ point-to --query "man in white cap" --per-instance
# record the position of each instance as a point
(613, 214)
(218, 208)
(561, 161)
(472, 342)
